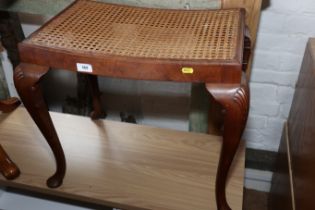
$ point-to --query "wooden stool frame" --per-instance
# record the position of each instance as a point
(226, 84)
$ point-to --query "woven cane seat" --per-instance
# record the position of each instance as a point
(94, 27)
(94, 30)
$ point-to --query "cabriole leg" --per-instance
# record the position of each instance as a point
(235, 101)
(26, 79)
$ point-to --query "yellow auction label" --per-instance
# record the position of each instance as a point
(187, 70)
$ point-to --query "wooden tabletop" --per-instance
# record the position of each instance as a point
(121, 165)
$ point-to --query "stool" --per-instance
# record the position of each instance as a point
(100, 39)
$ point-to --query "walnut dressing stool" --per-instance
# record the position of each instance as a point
(99, 39)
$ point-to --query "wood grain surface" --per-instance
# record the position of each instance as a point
(121, 165)
(298, 168)
(301, 129)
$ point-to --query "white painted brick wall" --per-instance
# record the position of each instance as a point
(283, 33)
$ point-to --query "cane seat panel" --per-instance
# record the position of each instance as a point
(108, 29)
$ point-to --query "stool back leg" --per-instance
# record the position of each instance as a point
(98, 111)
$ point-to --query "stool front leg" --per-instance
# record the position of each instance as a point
(26, 79)
(235, 101)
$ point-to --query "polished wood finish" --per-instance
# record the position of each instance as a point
(301, 128)
(221, 70)
(26, 79)
(301, 144)
(7, 167)
(235, 101)
(145, 69)
(122, 165)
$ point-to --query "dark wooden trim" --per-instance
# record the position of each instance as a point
(143, 69)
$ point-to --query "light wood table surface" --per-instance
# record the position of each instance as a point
(121, 165)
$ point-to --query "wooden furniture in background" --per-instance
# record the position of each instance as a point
(300, 142)
(7, 167)
(280, 196)
(253, 9)
(122, 165)
(201, 119)
(138, 43)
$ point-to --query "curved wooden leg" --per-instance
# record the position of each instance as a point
(26, 79)
(9, 105)
(235, 101)
(7, 167)
(98, 111)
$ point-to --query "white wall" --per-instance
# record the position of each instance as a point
(284, 30)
